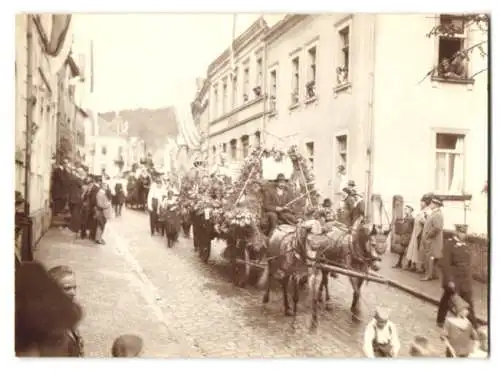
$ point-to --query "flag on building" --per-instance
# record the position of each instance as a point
(60, 41)
(189, 134)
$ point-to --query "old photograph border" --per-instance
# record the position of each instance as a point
(7, 150)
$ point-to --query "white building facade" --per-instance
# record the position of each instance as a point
(348, 90)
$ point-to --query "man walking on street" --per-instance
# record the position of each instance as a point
(154, 198)
(432, 238)
(457, 275)
(75, 198)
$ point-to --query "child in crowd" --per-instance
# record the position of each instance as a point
(381, 336)
(482, 348)
(68, 343)
(420, 347)
(127, 346)
(458, 333)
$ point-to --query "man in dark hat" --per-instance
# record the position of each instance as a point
(432, 238)
(276, 205)
(457, 275)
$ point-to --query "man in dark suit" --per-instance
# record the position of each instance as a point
(457, 275)
(75, 198)
(432, 238)
(276, 208)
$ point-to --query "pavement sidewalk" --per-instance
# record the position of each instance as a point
(430, 291)
(114, 296)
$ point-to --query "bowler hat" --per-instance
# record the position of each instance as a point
(351, 183)
(436, 200)
(459, 228)
(427, 197)
(327, 203)
(280, 177)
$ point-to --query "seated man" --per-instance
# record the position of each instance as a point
(276, 208)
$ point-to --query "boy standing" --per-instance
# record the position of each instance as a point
(67, 343)
(458, 333)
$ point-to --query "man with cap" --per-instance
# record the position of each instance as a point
(276, 208)
(456, 275)
(354, 204)
(381, 337)
(406, 231)
(432, 238)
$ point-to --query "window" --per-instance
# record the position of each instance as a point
(343, 68)
(246, 83)
(452, 64)
(310, 153)
(104, 150)
(224, 96)
(257, 140)
(216, 101)
(295, 80)
(342, 150)
(311, 78)
(258, 81)
(233, 149)
(245, 145)
(224, 148)
(235, 88)
(273, 90)
(449, 163)
(214, 154)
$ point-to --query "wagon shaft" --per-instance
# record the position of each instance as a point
(352, 273)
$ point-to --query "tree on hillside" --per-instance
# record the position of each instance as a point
(454, 51)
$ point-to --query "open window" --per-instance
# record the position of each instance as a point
(311, 78)
(295, 80)
(452, 62)
(450, 165)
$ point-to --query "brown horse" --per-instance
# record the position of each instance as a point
(358, 250)
(287, 258)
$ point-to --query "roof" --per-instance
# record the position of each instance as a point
(150, 125)
(255, 28)
(284, 25)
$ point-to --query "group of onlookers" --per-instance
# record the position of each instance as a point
(424, 250)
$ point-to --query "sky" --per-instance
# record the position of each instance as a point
(153, 60)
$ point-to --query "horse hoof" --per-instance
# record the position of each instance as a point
(328, 306)
(265, 299)
(288, 313)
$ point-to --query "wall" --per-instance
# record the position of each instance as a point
(408, 113)
(335, 111)
(45, 90)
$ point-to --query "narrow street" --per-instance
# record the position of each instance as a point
(199, 303)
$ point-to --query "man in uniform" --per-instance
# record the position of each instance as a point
(457, 275)
(276, 206)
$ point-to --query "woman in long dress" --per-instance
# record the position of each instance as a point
(413, 254)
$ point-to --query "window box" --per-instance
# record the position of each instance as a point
(342, 75)
(257, 91)
(452, 80)
(342, 87)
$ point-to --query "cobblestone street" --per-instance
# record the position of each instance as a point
(198, 311)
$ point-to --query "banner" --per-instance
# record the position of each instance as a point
(60, 41)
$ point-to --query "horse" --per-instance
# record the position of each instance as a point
(357, 250)
(287, 258)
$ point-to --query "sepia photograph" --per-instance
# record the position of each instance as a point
(252, 185)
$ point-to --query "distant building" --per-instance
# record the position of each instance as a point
(109, 147)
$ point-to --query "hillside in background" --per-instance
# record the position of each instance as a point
(151, 125)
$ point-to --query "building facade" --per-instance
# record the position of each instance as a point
(109, 147)
(345, 89)
(37, 95)
(235, 110)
